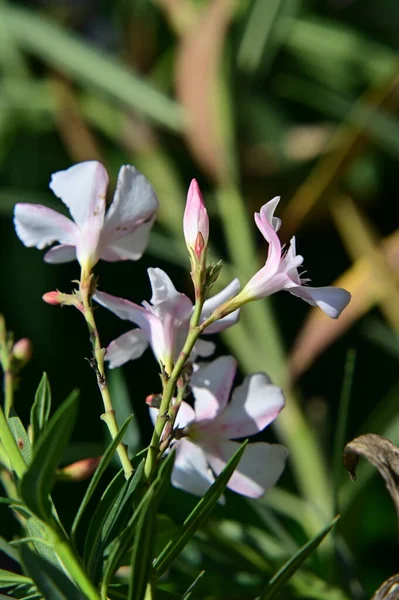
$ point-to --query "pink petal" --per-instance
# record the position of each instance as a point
(211, 386)
(40, 226)
(195, 216)
(331, 300)
(165, 297)
(124, 309)
(128, 346)
(254, 405)
(134, 203)
(129, 247)
(268, 226)
(190, 471)
(60, 254)
(185, 415)
(83, 189)
(258, 470)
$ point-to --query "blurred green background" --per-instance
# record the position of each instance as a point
(254, 99)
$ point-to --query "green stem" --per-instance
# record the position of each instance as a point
(10, 445)
(109, 416)
(169, 390)
(8, 391)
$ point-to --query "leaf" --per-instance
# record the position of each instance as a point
(187, 593)
(123, 408)
(382, 453)
(388, 590)
(20, 436)
(290, 567)
(106, 459)
(319, 332)
(121, 545)
(8, 550)
(198, 84)
(50, 581)
(10, 578)
(38, 480)
(88, 64)
(40, 411)
(198, 515)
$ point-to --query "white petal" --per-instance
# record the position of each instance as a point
(129, 247)
(228, 292)
(258, 470)
(331, 300)
(39, 226)
(185, 415)
(124, 309)
(211, 386)
(83, 189)
(222, 324)
(60, 254)
(167, 300)
(190, 471)
(254, 405)
(203, 348)
(128, 346)
(134, 203)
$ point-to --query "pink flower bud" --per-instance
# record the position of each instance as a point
(22, 351)
(195, 219)
(54, 298)
(80, 470)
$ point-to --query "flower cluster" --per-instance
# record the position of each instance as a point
(172, 325)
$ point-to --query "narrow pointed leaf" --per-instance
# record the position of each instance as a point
(123, 408)
(198, 515)
(106, 459)
(9, 578)
(37, 482)
(8, 550)
(20, 436)
(188, 592)
(40, 411)
(290, 567)
(50, 581)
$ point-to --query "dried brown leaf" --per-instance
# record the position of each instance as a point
(319, 332)
(389, 590)
(197, 78)
(382, 453)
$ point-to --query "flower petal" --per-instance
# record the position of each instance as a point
(185, 415)
(211, 386)
(258, 470)
(253, 406)
(128, 346)
(268, 225)
(39, 226)
(129, 247)
(124, 309)
(165, 297)
(60, 254)
(203, 348)
(212, 303)
(83, 189)
(190, 471)
(331, 300)
(134, 203)
(195, 216)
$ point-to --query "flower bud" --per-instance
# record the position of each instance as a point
(195, 221)
(22, 352)
(80, 470)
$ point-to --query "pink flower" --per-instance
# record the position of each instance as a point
(281, 271)
(210, 426)
(164, 322)
(195, 219)
(121, 234)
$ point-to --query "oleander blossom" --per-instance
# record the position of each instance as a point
(280, 271)
(195, 219)
(121, 233)
(164, 322)
(210, 426)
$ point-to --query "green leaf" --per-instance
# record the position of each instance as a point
(50, 581)
(40, 411)
(20, 436)
(35, 529)
(197, 517)
(89, 65)
(188, 592)
(9, 578)
(123, 542)
(97, 476)
(37, 482)
(8, 550)
(123, 408)
(290, 567)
